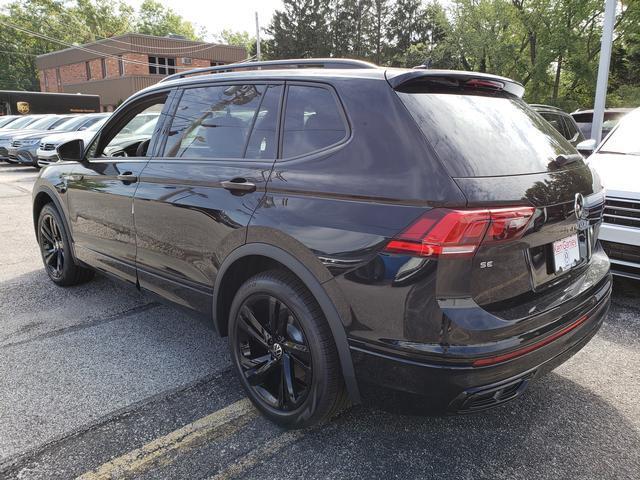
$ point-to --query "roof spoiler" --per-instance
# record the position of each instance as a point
(402, 78)
(291, 63)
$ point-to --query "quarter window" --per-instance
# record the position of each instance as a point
(214, 122)
(312, 120)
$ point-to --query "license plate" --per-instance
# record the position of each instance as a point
(566, 253)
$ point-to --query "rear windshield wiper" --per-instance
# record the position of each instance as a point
(562, 159)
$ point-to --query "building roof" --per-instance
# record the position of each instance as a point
(145, 44)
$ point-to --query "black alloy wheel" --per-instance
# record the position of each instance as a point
(274, 353)
(56, 251)
(284, 352)
(52, 246)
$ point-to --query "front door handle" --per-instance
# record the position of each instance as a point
(239, 184)
(127, 177)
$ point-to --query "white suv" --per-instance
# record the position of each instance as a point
(617, 161)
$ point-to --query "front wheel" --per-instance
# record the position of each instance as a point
(284, 351)
(56, 251)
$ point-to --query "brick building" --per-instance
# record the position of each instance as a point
(115, 68)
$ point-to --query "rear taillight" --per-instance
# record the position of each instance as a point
(460, 232)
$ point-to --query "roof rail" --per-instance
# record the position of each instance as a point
(290, 63)
(542, 105)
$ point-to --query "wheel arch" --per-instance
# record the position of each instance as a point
(43, 196)
(269, 256)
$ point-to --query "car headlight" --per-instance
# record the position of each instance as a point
(32, 141)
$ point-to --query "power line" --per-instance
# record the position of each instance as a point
(95, 52)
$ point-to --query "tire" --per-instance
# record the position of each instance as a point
(55, 249)
(292, 387)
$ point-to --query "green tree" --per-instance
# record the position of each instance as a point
(156, 19)
(301, 29)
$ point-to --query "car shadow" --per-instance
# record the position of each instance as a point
(558, 429)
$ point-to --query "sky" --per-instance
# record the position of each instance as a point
(217, 15)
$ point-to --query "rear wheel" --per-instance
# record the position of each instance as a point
(56, 251)
(284, 351)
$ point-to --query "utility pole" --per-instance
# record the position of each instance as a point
(603, 70)
(257, 38)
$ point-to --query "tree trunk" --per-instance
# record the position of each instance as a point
(556, 83)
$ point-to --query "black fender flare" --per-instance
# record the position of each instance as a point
(61, 210)
(315, 287)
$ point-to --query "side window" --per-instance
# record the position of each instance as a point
(263, 141)
(131, 133)
(312, 120)
(570, 128)
(555, 121)
(214, 122)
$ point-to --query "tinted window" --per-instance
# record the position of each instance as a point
(570, 127)
(263, 141)
(214, 122)
(312, 120)
(555, 121)
(486, 135)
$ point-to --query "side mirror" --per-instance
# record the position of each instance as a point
(586, 147)
(73, 150)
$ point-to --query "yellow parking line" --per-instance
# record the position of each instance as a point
(219, 424)
(254, 457)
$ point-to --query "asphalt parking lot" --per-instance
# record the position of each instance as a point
(99, 381)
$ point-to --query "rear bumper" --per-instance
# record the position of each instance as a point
(416, 386)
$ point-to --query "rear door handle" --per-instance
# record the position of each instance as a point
(238, 184)
(127, 177)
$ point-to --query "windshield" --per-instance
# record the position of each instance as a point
(71, 123)
(96, 126)
(45, 123)
(5, 121)
(626, 138)
(22, 122)
(147, 128)
(482, 135)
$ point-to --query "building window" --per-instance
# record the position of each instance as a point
(46, 80)
(217, 64)
(87, 66)
(58, 78)
(120, 66)
(162, 66)
(103, 67)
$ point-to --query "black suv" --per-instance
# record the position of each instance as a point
(357, 232)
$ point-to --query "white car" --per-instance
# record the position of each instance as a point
(47, 151)
(617, 162)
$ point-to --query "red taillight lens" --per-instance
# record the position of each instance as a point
(460, 232)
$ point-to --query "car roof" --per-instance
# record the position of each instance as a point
(313, 71)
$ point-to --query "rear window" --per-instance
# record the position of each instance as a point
(486, 135)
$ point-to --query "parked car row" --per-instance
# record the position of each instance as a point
(32, 139)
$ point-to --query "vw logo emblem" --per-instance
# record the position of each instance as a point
(579, 209)
(276, 350)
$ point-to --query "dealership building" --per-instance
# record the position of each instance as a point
(117, 67)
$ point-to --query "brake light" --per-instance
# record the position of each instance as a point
(491, 84)
(460, 232)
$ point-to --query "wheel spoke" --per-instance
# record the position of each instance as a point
(253, 327)
(257, 375)
(254, 362)
(46, 234)
(59, 262)
(287, 375)
(274, 315)
(49, 256)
